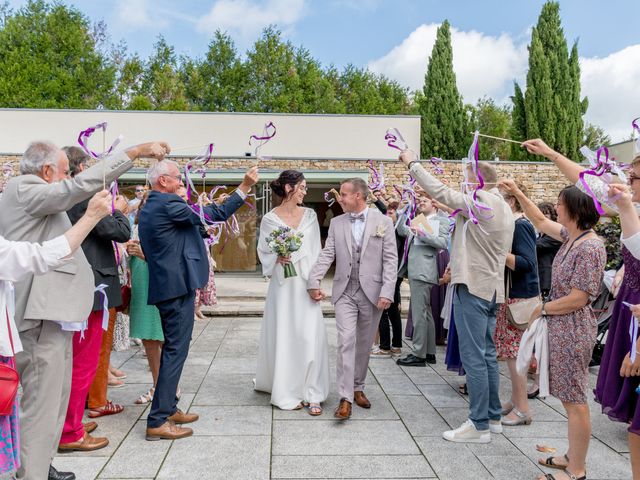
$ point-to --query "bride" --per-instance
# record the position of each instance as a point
(293, 363)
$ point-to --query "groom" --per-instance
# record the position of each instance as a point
(363, 243)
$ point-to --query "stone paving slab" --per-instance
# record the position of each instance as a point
(241, 436)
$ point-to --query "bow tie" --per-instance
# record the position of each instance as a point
(353, 217)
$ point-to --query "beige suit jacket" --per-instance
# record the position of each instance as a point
(378, 257)
(477, 259)
(35, 211)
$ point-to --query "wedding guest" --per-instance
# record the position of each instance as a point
(98, 250)
(521, 278)
(145, 322)
(134, 204)
(168, 224)
(478, 255)
(48, 310)
(617, 377)
(422, 270)
(18, 259)
(391, 342)
(575, 281)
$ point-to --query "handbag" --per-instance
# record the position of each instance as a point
(519, 313)
(9, 380)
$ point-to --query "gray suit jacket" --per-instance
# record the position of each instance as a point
(421, 261)
(34, 211)
(378, 258)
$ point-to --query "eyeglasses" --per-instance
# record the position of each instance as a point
(632, 177)
(176, 177)
(139, 190)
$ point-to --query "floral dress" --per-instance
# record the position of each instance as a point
(9, 438)
(573, 335)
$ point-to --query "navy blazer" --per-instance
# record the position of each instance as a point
(172, 244)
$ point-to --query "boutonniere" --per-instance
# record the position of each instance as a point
(380, 230)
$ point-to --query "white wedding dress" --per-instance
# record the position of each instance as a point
(293, 361)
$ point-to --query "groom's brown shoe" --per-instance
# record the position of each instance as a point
(343, 412)
(361, 400)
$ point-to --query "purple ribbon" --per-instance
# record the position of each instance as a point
(436, 163)
(377, 177)
(633, 333)
(268, 133)
(600, 166)
(328, 199)
(83, 140)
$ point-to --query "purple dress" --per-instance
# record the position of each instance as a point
(617, 395)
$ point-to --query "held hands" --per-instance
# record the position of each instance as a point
(316, 294)
(149, 150)
(538, 147)
(99, 205)
(249, 180)
(383, 303)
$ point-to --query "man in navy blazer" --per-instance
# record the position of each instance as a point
(178, 265)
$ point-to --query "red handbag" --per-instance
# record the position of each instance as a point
(9, 380)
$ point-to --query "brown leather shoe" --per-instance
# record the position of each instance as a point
(168, 431)
(85, 444)
(343, 412)
(89, 426)
(180, 417)
(361, 400)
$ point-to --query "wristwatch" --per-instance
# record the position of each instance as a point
(411, 163)
(543, 312)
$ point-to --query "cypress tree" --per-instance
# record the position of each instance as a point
(518, 123)
(443, 120)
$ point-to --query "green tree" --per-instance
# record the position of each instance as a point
(553, 109)
(444, 125)
(50, 57)
(593, 137)
(494, 120)
(518, 129)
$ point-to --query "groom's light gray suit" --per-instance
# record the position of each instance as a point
(365, 272)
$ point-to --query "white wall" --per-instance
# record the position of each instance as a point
(298, 136)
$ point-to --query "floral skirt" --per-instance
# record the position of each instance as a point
(507, 337)
(207, 296)
(9, 435)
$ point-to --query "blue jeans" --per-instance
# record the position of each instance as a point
(476, 324)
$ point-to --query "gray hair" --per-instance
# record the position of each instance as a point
(159, 169)
(358, 185)
(37, 156)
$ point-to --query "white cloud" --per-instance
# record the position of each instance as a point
(487, 65)
(139, 13)
(611, 83)
(247, 18)
(484, 64)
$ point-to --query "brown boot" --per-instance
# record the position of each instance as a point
(168, 431)
(343, 412)
(361, 400)
(180, 417)
(86, 444)
(89, 426)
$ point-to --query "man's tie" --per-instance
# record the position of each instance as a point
(353, 217)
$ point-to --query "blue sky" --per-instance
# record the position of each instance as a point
(394, 37)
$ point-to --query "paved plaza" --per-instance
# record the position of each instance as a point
(239, 435)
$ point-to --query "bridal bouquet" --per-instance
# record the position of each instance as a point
(283, 242)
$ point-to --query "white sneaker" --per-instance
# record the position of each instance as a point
(467, 433)
(495, 426)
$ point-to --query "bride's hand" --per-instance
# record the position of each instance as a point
(283, 260)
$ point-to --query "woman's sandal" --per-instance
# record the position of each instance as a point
(146, 397)
(462, 388)
(551, 464)
(314, 409)
(109, 409)
(300, 406)
(549, 476)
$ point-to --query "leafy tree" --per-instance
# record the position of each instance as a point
(494, 120)
(50, 58)
(518, 123)
(444, 126)
(593, 137)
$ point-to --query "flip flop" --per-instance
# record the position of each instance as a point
(549, 463)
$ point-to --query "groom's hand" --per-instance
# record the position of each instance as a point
(315, 294)
(383, 303)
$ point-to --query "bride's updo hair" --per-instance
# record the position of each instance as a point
(278, 186)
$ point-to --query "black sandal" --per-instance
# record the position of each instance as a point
(551, 464)
(549, 476)
(462, 388)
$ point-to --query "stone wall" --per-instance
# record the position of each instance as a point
(542, 179)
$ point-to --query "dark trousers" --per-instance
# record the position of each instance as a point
(392, 316)
(177, 325)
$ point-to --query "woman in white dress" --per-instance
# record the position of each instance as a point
(293, 361)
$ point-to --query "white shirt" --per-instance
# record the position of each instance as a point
(357, 227)
(16, 260)
(633, 244)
